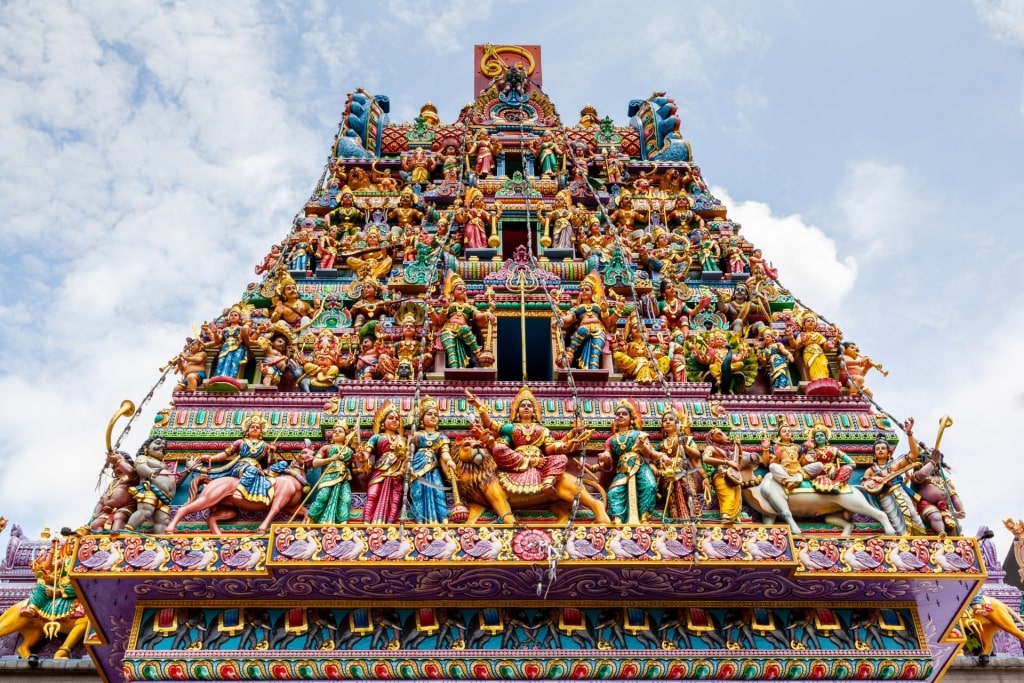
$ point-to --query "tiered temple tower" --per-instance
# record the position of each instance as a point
(515, 399)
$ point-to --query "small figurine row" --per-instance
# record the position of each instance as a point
(504, 465)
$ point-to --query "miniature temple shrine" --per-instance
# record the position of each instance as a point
(514, 398)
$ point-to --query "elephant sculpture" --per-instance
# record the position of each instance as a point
(688, 622)
(751, 622)
(512, 624)
(817, 623)
(317, 625)
(622, 620)
(447, 624)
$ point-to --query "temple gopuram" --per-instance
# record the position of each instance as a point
(515, 399)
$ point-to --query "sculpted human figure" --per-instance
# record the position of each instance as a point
(333, 496)
(775, 359)
(431, 464)
(276, 356)
(560, 222)
(836, 466)
(484, 151)
(368, 310)
(385, 454)
(886, 480)
(233, 339)
(812, 345)
(348, 217)
(682, 477)
(117, 503)
(476, 219)
(289, 306)
(374, 259)
(783, 457)
(406, 216)
(536, 459)
(938, 502)
(454, 316)
(590, 318)
(548, 156)
(191, 365)
(634, 356)
(634, 489)
(730, 470)
(248, 459)
(156, 488)
(857, 366)
(419, 164)
(408, 355)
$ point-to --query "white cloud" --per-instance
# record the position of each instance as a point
(1004, 17)
(813, 270)
(881, 208)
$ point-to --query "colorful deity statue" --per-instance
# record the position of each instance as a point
(156, 487)
(321, 370)
(633, 355)
(233, 339)
(407, 356)
(456, 318)
(289, 306)
(534, 459)
(857, 366)
(248, 460)
(549, 155)
(560, 223)
(384, 455)
(483, 150)
(886, 479)
(835, 466)
(191, 365)
(634, 488)
(406, 217)
(451, 163)
(730, 471)
(626, 218)
(276, 347)
(784, 458)
(682, 219)
(369, 308)
(682, 477)
(374, 259)
(348, 217)
(476, 219)
(775, 359)
(596, 245)
(745, 310)
(589, 319)
(332, 494)
(419, 164)
(812, 345)
(673, 311)
(938, 503)
(722, 358)
(431, 464)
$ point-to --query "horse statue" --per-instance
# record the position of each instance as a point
(476, 475)
(772, 500)
(223, 496)
(52, 609)
(985, 617)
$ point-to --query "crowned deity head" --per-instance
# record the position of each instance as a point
(525, 399)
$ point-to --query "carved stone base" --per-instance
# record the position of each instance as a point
(822, 387)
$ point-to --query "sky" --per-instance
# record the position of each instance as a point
(151, 153)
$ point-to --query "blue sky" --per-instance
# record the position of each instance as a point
(151, 153)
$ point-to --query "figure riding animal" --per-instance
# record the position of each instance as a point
(477, 477)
